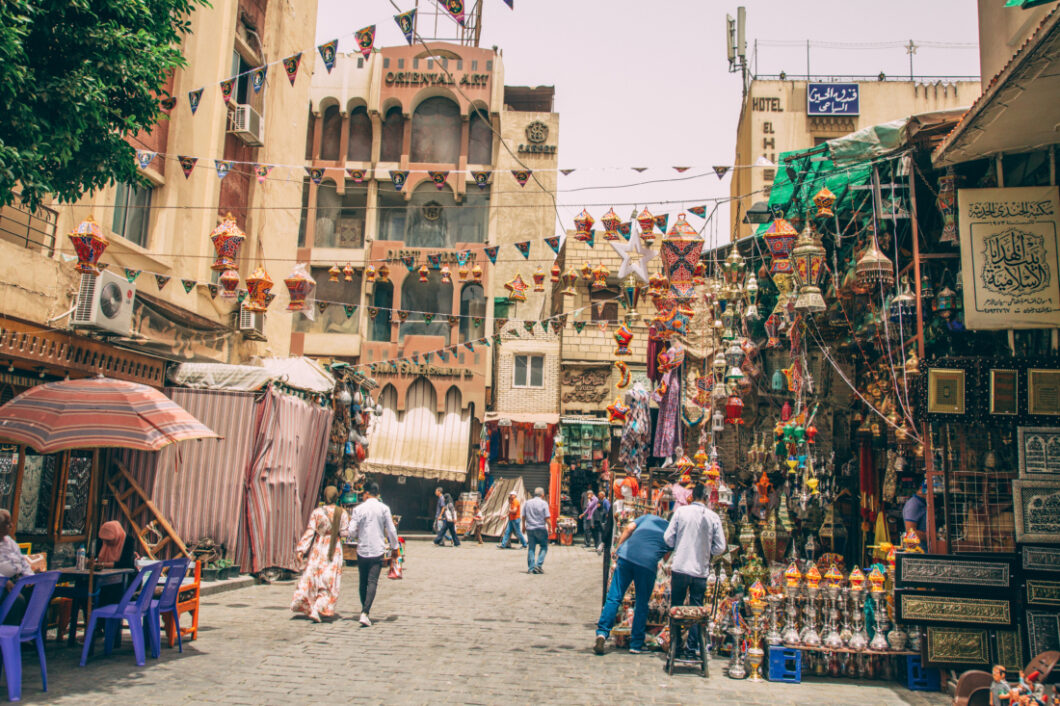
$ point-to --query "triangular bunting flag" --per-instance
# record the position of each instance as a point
(456, 9)
(428, 317)
(366, 40)
(661, 221)
(257, 77)
(193, 99)
(452, 320)
(427, 357)
(213, 289)
(226, 89)
(144, 157)
(566, 172)
(188, 284)
(625, 229)
(476, 321)
(434, 260)
(327, 53)
(681, 170)
(721, 170)
(510, 3)
(410, 262)
(524, 248)
(161, 281)
(315, 174)
(442, 355)
(499, 324)
(482, 179)
(529, 326)
(131, 274)
(373, 312)
(439, 179)
(485, 341)
(496, 338)
(356, 174)
(322, 306)
(579, 326)
(187, 164)
(640, 170)
(522, 175)
(514, 332)
(553, 242)
(406, 22)
(168, 103)
(603, 326)
(700, 211)
(262, 172)
(241, 294)
(470, 345)
(223, 167)
(102, 265)
(598, 308)
(491, 253)
(348, 309)
(556, 325)
(415, 358)
(290, 66)
(399, 177)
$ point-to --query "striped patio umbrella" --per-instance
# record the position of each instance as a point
(94, 413)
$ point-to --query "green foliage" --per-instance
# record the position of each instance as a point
(76, 78)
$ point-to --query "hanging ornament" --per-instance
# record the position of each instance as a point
(188, 284)
(808, 259)
(327, 53)
(516, 289)
(583, 226)
(553, 242)
(539, 280)
(300, 286)
(873, 268)
(947, 202)
(290, 66)
(554, 273)
(476, 273)
(780, 237)
(398, 177)
(824, 199)
(161, 281)
(366, 40)
(600, 274)
(646, 221)
(482, 179)
(439, 179)
(89, 243)
(661, 221)
(227, 239)
(610, 221)
(570, 277)
(259, 285)
(623, 335)
(131, 274)
(902, 309)
(370, 274)
(229, 281)
(409, 261)
(347, 272)
(447, 277)
(624, 375)
(424, 273)
(734, 410)
(521, 176)
(406, 22)
(523, 248)
(334, 272)
(491, 253)
(194, 97)
(617, 412)
(187, 164)
(680, 252)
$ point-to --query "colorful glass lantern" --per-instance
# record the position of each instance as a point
(554, 273)
(680, 252)
(299, 286)
(570, 277)
(347, 272)
(583, 226)
(229, 281)
(856, 579)
(811, 434)
(227, 238)
(334, 272)
(780, 238)
(873, 268)
(587, 272)
(447, 275)
(623, 335)
(945, 302)
(734, 410)
(701, 457)
(539, 280)
(646, 221)
(792, 576)
(600, 275)
(370, 274)
(424, 273)
(476, 273)
(808, 259)
(631, 291)
(384, 273)
(824, 199)
(89, 243)
(876, 579)
(259, 285)
(757, 591)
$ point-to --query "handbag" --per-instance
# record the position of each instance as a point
(395, 570)
(439, 524)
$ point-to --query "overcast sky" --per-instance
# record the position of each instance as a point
(647, 83)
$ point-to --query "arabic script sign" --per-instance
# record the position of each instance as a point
(1009, 257)
(833, 99)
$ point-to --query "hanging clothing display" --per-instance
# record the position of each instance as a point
(668, 434)
(636, 434)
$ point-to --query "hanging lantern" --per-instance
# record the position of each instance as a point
(680, 252)
(873, 268)
(785, 411)
(780, 238)
(617, 412)
(646, 221)
(733, 272)
(587, 272)
(657, 284)
(946, 202)
(719, 365)
(227, 238)
(903, 305)
(89, 243)
(779, 383)
(734, 410)
(539, 280)
(623, 336)
(570, 277)
(945, 303)
(259, 285)
(229, 281)
(370, 274)
(583, 226)
(751, 313)
(424, 273)
(347, 272)
(631, 291)
(476, 273)
(718, 421)
(384, 273)
(600, 275)
(299, 286)
(927, 291)
(912, 364)
(554, 273)
(701, 457)
(447, 275)
(334, 272)
(811, 434)
(610, 221)
(824, 200)
(808, 257)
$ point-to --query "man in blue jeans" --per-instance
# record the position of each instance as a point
(535, 523)
(639, 549)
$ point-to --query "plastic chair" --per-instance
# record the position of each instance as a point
(31, 628)
(126, 610)
(166, 604)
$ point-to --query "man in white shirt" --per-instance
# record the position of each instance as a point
(371, 524)
(13, 565)
(696, 534)
(535, 524)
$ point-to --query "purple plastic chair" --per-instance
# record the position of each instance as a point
(31, 628)
(166, 603)
(134, 613)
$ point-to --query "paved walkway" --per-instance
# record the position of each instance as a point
(466, 625)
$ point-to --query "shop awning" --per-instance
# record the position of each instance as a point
(524, 417)
(1019, 111)
(297, 373)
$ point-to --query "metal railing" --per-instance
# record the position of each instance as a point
(30, 229)
(864, 78)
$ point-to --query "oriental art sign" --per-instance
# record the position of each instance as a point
(1010, 257)
(957, 646)
(1037, 509)
(833, 99)
(926, 608)
(585, 388)
(403, 79)
(926, 570)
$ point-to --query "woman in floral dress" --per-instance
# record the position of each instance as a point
(318, 587)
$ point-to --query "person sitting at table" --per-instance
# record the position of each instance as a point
(117, 550)
(13, 565)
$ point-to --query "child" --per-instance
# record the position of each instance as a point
(476, 523)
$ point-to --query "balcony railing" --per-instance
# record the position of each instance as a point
(30, 229)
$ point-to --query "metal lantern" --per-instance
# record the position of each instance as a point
(780, 237)
(719, 365)
(752, 298)
(873, 268)
(824, 200)
(946, 302)
(570, 277)
(717, 421)
(229, 281)
(89, 243)
(539, 280)
(808, 259)
(583, 226)
(299, 285)
(903, 305)
(259, 285)
(734, 354)
(734, 270)
(631, 290)
(227, 239)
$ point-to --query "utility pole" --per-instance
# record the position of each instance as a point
(910, 49)
(736, 44)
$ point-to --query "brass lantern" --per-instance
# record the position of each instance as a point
(873, 268)
(808, 259)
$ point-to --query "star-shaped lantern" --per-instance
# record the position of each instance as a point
(516, 289)
(617, 412)
(635, 257)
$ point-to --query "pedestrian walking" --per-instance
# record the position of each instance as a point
(318, 587)
(637, 554)
(439, 509)
(536, 514)
(513, 522)
(372, 525)
(448, 523)
(589, 504)
(601, 520)
(696, 535)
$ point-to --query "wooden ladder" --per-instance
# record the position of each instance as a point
(142, 514)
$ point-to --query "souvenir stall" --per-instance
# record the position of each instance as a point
(519, 449)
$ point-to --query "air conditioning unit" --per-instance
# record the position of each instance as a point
(104, 303)
(251, 323)
(245, 123)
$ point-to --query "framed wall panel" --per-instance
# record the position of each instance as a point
(973, 572)
(957, 647)
(958, 611)
(1046, 559)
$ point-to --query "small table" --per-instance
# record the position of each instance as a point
(80, 592)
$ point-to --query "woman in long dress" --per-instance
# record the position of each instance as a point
(318, 587)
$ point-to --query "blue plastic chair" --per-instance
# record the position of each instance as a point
(166, 603)
(134, 613)
(31, 628)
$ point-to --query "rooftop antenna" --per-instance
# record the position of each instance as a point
(736, 43)
(434, 23)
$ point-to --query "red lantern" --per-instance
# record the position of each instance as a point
(299, 284)
(259, 285)
(647, 223)
(780, 237)
(811, 433)
(89, 243)
(734, 410)
(583, 226)
(554, 272)
(229, 281)
(539, 280)
(600, 275)
(227, 238)
(785, 411)
(424, 272)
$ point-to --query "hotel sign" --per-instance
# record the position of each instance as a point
(833, 99)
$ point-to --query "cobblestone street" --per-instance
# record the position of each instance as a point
(466, 625)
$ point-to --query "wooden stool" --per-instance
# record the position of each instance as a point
(683, 617)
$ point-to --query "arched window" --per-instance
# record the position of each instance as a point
(359, 148)
(331, 139)
(479, 138)
(431, 297)
(393, 135)
(421, 405)
(436, 132)
(327, 214)
(383, 299)
(472, 304)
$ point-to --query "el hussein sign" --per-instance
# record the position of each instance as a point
(1010, 257)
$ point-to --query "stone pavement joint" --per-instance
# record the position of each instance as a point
(466, 625)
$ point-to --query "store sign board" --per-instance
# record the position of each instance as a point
(1010, 257)
(833, 99)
